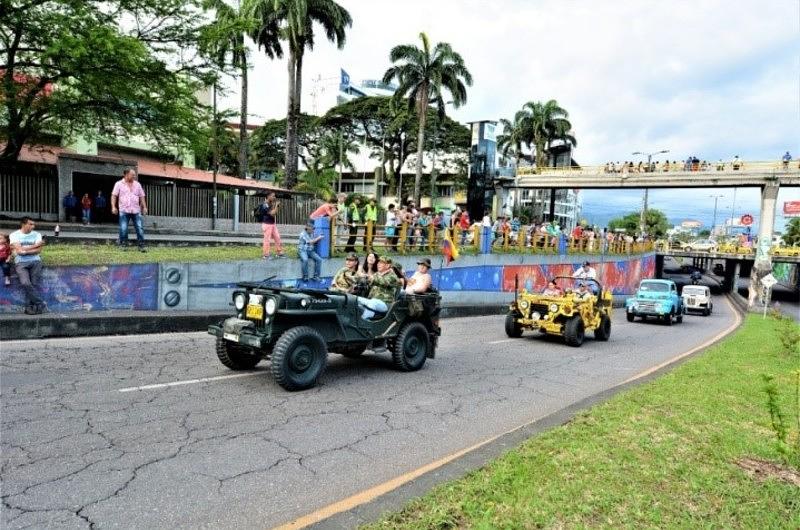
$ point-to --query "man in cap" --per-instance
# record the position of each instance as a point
(420, 282)
(583, 292)
(586, 272)
(382, 289)
(306, 250)
(345, 278)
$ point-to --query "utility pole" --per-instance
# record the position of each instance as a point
(733, 211)
(366, 161)
(714, 219)
(643, 216)
(215, 162)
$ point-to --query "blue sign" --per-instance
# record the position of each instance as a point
(345, 80)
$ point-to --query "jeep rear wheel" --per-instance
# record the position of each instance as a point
(513, 329)
(574, 331)
(411, 347)
(299, 358)
(236, 356)
(603, 331)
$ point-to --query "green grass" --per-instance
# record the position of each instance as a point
(109, 254)
(660, 455)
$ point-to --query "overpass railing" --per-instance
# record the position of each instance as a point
(749, 167)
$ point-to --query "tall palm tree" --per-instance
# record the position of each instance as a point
(296, 19)
(547, 122)
(515, 134)
(422, 75)
(225, 42)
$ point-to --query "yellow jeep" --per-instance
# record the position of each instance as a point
(569, 315)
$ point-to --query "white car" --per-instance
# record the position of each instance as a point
(703, 245)
(697, 298)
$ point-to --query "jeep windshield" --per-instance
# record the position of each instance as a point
(654, 287)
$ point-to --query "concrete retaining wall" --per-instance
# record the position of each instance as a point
(480, 280)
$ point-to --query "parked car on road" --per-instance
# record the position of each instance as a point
(697, 298)
(656, 298)
(700, 245)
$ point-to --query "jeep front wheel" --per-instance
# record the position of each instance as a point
(411, 347)
(299, 358)
(574, 331)
(630, 316)
(513, 329)
(235, 356)
(603, 331)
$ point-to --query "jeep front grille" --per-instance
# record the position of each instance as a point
(540, 308)
(650, 307)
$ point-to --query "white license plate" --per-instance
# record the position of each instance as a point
(231, 336)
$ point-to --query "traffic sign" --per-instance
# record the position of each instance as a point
(769, 281)
(746, 219)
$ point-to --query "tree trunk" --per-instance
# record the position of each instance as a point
(298, 97)
(243, 137)
(423, 116)
(12, 149)
(290, 161)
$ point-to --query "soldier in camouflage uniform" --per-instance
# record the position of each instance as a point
(345, 278)
(383, 288)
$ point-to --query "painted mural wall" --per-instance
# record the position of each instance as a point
(207, 286)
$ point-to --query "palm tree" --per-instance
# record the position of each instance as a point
(422, 75)
(296, 19)
(225, 42)
(515, 134)
(547, 122)
(792, 235)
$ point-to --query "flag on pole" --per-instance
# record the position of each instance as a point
(449, 248)
(344, 80)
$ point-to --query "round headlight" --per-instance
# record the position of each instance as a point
(524, 304)
(271, 306)
(553, 308)
(536, 315)
(239, 300)
(303, 302)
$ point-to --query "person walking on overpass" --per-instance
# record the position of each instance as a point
(786, 159)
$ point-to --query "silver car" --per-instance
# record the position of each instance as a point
(697, 298)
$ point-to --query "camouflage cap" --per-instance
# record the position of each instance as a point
(385, 259)
(351, 255)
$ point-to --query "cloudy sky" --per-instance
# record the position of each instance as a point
(710, 78)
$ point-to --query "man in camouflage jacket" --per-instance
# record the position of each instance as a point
(346, 277)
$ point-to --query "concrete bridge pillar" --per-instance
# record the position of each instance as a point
(732, 272)
(659, 266)
(766, 222)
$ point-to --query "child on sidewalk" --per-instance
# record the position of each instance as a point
(5, 258)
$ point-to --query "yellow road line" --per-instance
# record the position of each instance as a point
(374, 492)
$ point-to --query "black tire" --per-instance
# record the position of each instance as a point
(513, 329)
(411, 347)
(603, 331)
(710, 309)
(299, 358)
(679, 318)
(668, 319)
(574, 331)
(630, 316)
(236, 356)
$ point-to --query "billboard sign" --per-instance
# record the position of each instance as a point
(746, 219)
(791, 208)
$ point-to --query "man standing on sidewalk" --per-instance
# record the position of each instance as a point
(27, 245)
(127, 199)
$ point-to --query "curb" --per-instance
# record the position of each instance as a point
(52, 325)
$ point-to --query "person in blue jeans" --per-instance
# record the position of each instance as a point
(306, 250)
(128, 200)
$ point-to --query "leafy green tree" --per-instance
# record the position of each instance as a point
(317, 182)
(224, 40)
(792, 234)
(71, 68)
(423, 74)
(546, 123)
(296, 19)
(656, 221)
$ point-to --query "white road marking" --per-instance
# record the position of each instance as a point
(500, 341)
(188, 382)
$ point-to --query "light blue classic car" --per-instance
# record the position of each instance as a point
(656, 298)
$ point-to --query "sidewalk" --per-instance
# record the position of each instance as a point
(124, 322)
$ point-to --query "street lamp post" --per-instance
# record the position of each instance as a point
(714, 218)
(643, 216)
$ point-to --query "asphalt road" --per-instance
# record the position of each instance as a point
(240, 452)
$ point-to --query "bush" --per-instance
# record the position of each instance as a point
(787, 437)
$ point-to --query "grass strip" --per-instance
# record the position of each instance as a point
(660, 455)
(56, 254)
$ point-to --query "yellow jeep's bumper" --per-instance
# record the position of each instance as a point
(544, 325)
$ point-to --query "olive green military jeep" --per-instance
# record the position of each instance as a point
(296, 328)
(568, 314)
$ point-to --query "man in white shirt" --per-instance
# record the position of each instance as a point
(420, 281)
(586, 272)
(27, 245)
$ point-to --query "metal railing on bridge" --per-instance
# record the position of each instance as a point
(745, 167)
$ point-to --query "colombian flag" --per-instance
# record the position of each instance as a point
(449, 248)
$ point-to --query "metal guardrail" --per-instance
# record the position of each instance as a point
(745, 167)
